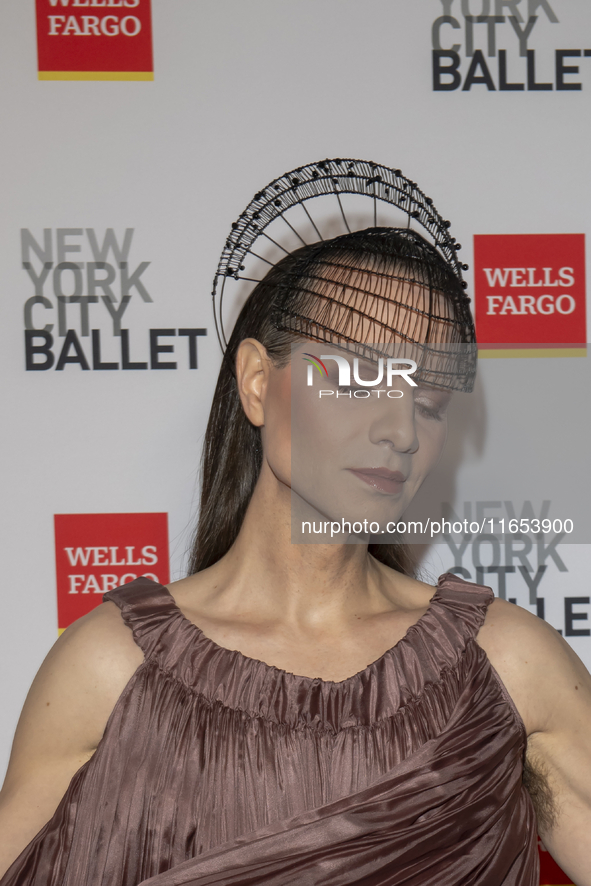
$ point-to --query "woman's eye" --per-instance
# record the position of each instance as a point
(431, 408)
(428, 411)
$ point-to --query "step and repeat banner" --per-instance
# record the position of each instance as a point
(135, 132)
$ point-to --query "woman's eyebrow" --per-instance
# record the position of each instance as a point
(431, 389)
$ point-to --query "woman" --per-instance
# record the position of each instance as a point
(308, 713)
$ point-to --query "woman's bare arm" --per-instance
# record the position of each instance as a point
(62, 721)
(552, 691)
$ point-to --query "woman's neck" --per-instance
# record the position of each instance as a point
(301, 582)
(320, 610)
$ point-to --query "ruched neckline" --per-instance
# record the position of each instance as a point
(412, 669)
(250, 661)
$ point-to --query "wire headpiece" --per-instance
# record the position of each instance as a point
(440, 270)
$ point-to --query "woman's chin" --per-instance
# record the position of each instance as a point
(346, 518)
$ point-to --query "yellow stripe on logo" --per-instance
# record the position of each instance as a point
(96, 75)
(500, 353)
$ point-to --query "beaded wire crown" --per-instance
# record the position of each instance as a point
(367, 289)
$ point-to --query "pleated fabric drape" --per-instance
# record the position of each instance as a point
(216, 768)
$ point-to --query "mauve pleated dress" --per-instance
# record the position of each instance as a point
(215, 768)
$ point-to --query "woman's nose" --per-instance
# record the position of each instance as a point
(394, 422)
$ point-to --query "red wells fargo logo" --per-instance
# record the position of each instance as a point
(530, 294)
(94, 40)
(97, 552)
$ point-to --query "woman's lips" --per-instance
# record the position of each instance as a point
(381, 479)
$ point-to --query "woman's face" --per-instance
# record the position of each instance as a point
(345, 453)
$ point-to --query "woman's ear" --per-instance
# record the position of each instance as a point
(252, 375)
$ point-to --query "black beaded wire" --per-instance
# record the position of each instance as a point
(337, 177)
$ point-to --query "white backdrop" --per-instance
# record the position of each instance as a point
(242, 92)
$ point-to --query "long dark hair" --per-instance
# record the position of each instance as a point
(232, 452)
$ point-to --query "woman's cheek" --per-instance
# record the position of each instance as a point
(277, 453)
(277, 444)
(432, 436)
(318, 443)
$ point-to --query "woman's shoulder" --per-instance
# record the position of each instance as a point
(63, 720)
(77, 685)
(536, 665)
(82, 677)
(510, 631)
(102, 641)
